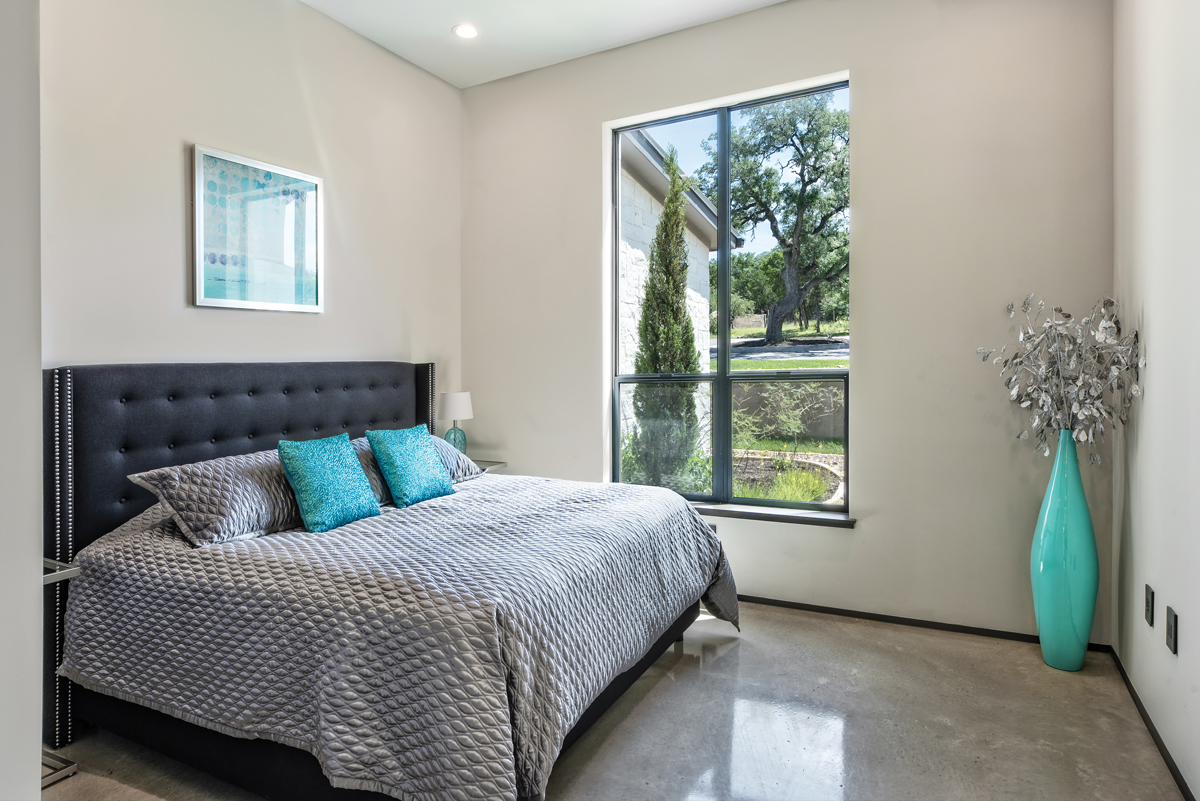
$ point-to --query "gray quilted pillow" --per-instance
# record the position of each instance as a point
(366, 458)
(239, 497)
(460, 467)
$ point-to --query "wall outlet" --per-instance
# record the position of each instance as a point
(1149, 605)
(713, 526)
(1172, 630)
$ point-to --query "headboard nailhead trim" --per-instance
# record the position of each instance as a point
(58, 587)
(64, 536)
(70, 530)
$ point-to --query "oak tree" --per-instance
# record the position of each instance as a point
(790, 169)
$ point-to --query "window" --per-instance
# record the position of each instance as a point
(732, 347)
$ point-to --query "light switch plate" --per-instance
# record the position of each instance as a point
(1149, 605)
(1172, 630)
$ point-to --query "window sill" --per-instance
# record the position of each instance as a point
(801, 516)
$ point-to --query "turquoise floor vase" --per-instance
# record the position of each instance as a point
(1063, 566)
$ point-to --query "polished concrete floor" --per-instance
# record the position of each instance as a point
(803, 706)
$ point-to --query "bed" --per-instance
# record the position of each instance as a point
(448, 650)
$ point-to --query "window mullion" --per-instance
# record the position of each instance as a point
(615, 422)
(723, 388)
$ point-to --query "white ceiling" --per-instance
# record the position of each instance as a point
(517, 35)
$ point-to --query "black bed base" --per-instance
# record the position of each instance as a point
(279, 772)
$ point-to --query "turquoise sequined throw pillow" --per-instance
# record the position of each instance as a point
(330, 485)
(410, 464)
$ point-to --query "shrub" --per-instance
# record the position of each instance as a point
(665, 437)
(798, 486)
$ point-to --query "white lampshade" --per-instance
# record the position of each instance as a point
(455, 406)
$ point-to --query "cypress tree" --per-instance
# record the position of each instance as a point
(665, 437)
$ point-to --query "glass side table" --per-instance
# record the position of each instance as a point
(54, 767)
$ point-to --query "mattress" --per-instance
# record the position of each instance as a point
(441, 651)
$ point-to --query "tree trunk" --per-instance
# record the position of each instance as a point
(795, 293)
(782, 309)
(793, 296)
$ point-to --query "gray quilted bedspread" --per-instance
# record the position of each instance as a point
(441, 651)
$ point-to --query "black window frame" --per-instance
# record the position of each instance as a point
(722, 379)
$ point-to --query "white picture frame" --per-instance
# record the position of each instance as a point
(258, 233)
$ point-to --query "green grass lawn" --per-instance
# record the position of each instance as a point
(788, 364)
(805, 445)
(794, 331)
(802, 486)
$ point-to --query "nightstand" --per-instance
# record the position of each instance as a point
(489, 466)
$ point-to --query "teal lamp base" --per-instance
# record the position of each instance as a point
(1063, 566)
(457, 438)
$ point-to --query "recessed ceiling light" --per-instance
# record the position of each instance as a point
(466, 30)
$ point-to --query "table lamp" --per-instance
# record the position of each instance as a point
(456, 406)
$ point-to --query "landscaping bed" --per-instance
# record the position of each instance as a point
(800, 477)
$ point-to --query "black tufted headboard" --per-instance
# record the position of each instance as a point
(104, 422)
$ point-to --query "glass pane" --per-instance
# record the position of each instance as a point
(260, 235)
(664, 278)
(789, 163)
(666, 436)
(789, 441)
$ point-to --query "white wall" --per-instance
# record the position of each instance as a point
(20, 406)
(130, 85)
(981, 170)
(1157, 521)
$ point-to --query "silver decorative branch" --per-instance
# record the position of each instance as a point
(1070, 375)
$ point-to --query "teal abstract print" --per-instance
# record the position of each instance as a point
(258, 235)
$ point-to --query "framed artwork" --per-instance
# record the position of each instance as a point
(259, 235)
